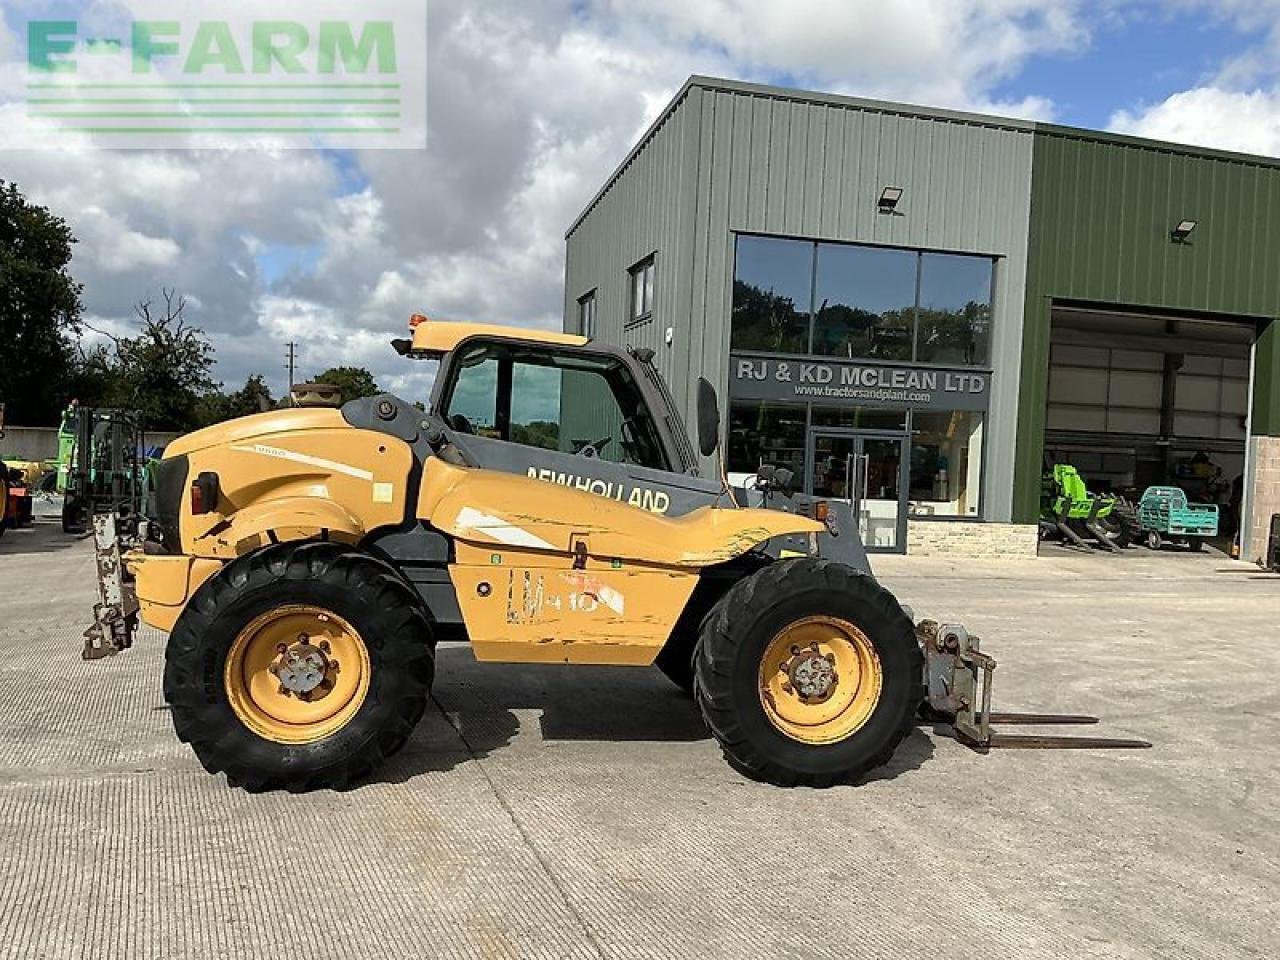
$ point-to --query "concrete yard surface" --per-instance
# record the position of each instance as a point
(584, 812)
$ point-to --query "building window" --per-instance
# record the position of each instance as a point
(955, 310)
(860, 302)
(866, 298)
(762, 432)
(772, 295)
(587, 314)
(946, 463)
(641, 290)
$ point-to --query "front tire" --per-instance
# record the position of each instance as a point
(808, 673)
(298, 667)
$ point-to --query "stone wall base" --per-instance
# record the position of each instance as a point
(991, 541)
(1264, 500)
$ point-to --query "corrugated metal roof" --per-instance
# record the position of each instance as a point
(908, 110)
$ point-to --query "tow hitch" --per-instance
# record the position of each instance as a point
(958, 692)
(115, 615)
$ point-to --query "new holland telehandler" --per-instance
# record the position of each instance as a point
(547, 507)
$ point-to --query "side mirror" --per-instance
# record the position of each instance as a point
(708, 418)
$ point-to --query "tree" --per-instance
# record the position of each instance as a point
(253, 397)
(354, 382)
(165, 371)
(39, 308)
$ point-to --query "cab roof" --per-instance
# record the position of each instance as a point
(442, 336)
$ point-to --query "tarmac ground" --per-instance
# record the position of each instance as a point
(584, 812)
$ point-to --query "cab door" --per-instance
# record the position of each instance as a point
(535, 574)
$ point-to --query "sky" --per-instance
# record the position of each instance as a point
(532, 103)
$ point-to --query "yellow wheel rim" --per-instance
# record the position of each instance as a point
(297, 674)
(820, 680)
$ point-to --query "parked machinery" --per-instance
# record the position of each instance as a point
(101, 466)
(1167, 516)
(1068, 511)
(305, 561)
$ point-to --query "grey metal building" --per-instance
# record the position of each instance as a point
(852, 276)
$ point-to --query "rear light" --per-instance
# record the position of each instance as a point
(821, 510)
(204, 493)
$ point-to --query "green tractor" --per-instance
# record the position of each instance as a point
(1069, 512)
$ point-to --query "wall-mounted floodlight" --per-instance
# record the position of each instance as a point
(889, 197)
(1182, 231)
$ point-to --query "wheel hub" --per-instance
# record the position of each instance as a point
(304, 669)
(820, 679)
(812, 674)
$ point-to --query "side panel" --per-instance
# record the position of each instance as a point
(298, 484)
(528, 607)
(492, 509)
(551, 573)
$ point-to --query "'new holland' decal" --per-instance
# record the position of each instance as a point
(646, 498)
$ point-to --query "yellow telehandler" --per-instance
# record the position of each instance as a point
(547, 507)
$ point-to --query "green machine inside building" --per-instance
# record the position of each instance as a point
(917, 309)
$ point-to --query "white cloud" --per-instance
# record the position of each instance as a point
(1210, 117)
(530, 106)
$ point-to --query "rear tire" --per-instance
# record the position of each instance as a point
(394, 658)
(1195, 544)
(1154, 540)
(735, 683)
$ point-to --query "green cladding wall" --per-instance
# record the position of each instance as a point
(1102, 209)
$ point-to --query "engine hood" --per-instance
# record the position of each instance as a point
(258, 425)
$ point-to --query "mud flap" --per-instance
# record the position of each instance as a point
(115, 615)
(958, 679)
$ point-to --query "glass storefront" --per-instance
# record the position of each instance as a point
(890, 464)
(866, 372)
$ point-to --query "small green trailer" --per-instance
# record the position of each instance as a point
(1167, 517)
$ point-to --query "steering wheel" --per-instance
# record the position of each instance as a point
(461, 424)
(592, 450)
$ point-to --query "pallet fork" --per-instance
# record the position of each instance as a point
(958, 692)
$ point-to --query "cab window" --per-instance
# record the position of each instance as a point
(572, 403)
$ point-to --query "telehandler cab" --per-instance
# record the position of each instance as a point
(547, 507)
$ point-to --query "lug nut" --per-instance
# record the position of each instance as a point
(324, 646)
